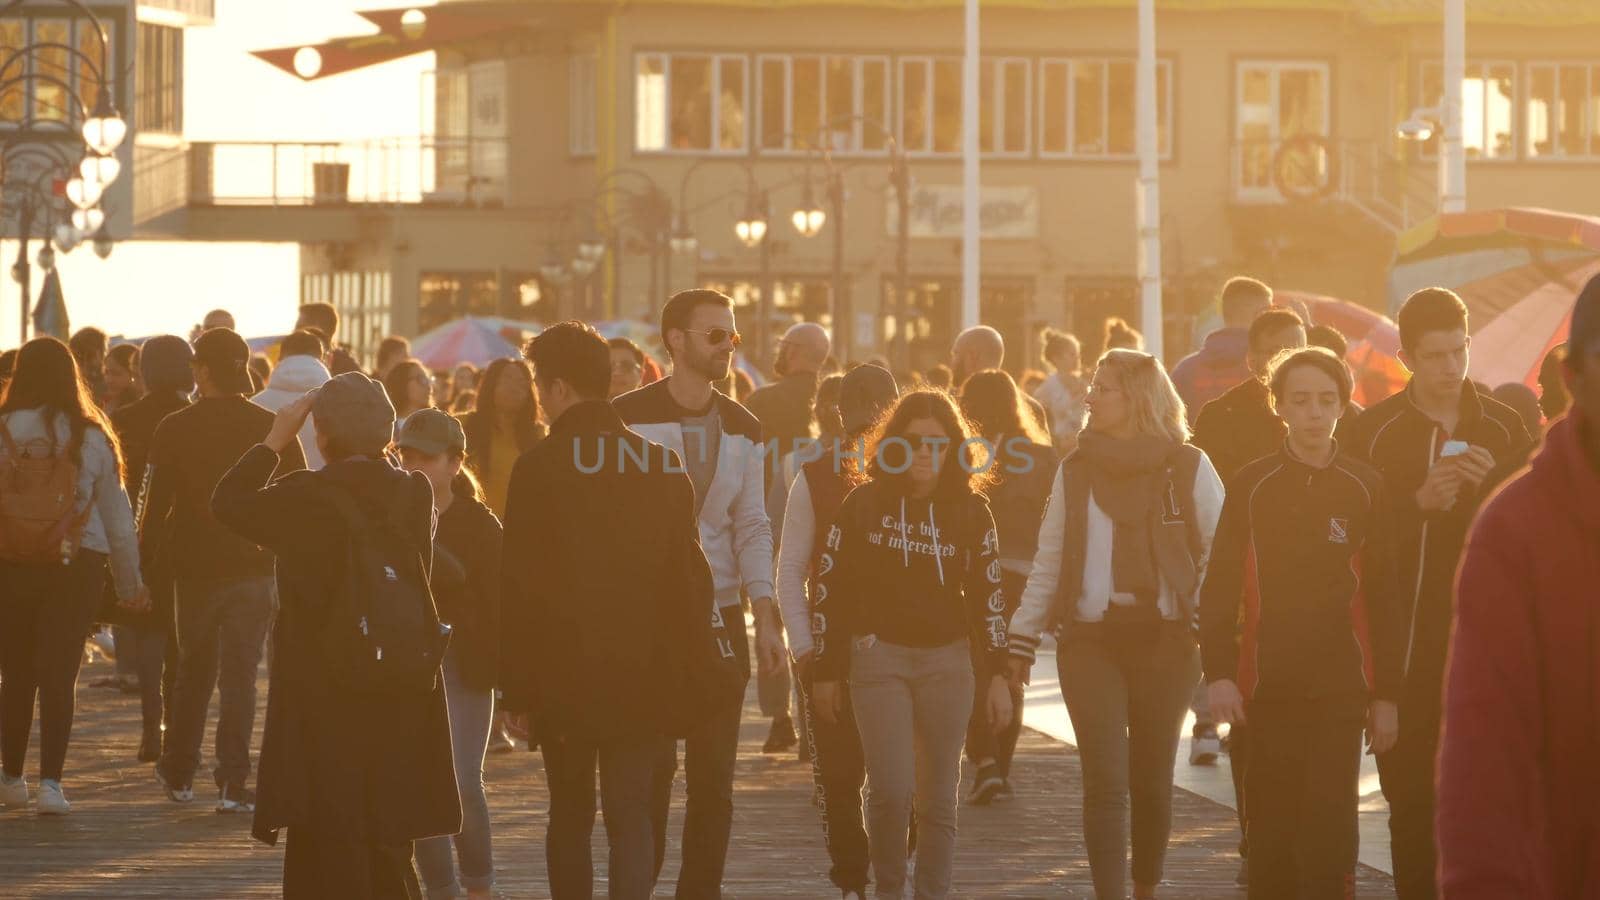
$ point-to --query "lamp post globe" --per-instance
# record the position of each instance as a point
(413, 22)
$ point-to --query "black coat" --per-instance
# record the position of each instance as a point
(606, 617)
(373, 770)
(468, 593)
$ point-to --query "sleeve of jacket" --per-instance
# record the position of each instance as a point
(271, 514)
(157, 497)
(1386, 614)
(116, 514)
(834, 606)
(1222, 589)
(1037, 608)
(1490, 820)
(1209, 496)
(752, 531)
(1211, 437)
(794, 562)
(986, 602)
(521, 612)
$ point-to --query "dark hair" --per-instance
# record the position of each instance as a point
(994, 405)
(126, 356)
(1320, 358)
(464, 402)
(391, 345)
(1241, 297)
(622, 343)
(89, 342)
(575, 353)
(341, 361)
(680, 308)
(322, 315)
(1272, 321)
(1524, 402)
(527, 424)
(1328, 337)
(8, 364)
(260, 371)
(397, 383)
(303, 343)
(825, 407)
(1430, 309)
(1122, 336)
(940, 376)
(46, 379)
(1553, 396)
(955, 478)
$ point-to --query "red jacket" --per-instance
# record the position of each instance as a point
(1519, 764)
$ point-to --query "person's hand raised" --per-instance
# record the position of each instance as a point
(288, 422)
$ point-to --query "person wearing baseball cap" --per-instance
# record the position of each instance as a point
(1517, 808)
(223, 582)
(355, 779)
(466, 588)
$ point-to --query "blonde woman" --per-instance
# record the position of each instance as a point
(1125, 538)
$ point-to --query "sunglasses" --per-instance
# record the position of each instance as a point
(717, 336)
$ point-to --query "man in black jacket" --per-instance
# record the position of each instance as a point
(1436, 444)
(354, 778)
(612, 660)
(1240, 426)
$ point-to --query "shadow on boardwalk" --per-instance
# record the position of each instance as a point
(125, 840)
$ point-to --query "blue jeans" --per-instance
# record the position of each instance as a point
(471, 712)
(222, 628)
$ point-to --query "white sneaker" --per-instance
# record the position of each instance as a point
(1204, 747)
(51, 801)
(13, 792)
(103, 642)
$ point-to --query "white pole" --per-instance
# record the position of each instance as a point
(1453, 158)
(1148, 191)
(971, 198)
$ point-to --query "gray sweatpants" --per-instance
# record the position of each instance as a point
(912, 705)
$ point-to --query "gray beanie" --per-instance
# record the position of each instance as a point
(864, 395)
(354, 413)
(164, 363)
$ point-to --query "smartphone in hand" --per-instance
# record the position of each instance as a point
(1453, 448)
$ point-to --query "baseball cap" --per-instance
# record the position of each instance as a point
(863, 396)
(432, 431)
(354, 412)
(227, 357)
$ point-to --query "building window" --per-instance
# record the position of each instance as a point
(158, 92)
(27, 98)
(583, 99)
(690, 103)
(1563, 111)
(446, 296)
(1089, 108)
(839, 103)
(930, 105)
(1488, 108)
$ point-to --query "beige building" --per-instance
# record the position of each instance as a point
(570, 137)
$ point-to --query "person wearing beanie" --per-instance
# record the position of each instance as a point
(817, 492)
(1519, 807)
(149, 639)
(223, 582)
(354, 778)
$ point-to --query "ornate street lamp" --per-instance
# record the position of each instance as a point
(751, 228)
(808, 218)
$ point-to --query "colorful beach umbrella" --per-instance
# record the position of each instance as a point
(470, 339)
(1519, 272)
(1374, 339)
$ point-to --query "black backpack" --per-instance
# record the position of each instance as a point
(383, 635)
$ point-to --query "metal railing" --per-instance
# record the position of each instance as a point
(1360, 175)
(160, 181)
(426, 170)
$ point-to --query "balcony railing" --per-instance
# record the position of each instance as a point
(439, 171)
(1361, 175)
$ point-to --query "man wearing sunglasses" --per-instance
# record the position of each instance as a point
(720, 444)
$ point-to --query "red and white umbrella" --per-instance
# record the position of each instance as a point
(471, 339)
(1519, 272)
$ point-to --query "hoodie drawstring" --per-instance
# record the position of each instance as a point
(905, 539)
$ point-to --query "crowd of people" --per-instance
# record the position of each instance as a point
(427, 563)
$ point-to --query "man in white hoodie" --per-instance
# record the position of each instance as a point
(300, 371)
